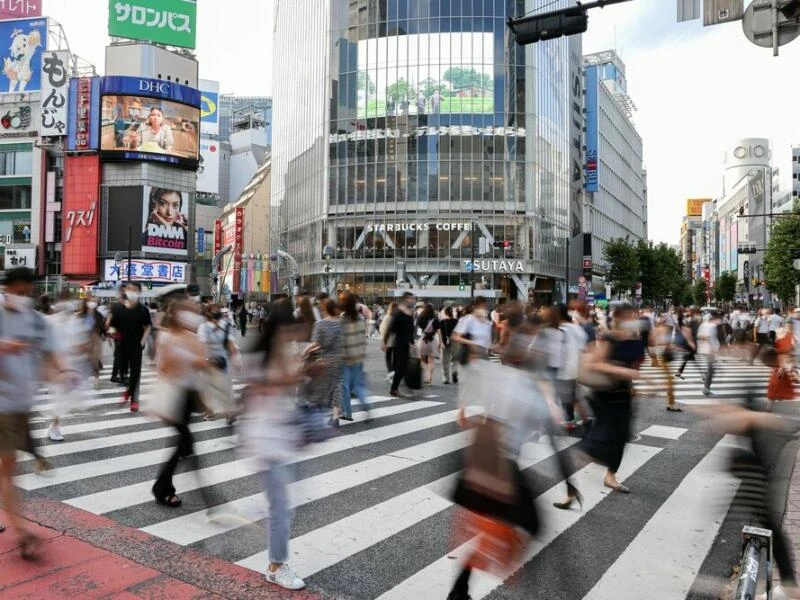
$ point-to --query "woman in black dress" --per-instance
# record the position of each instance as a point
(619, 354)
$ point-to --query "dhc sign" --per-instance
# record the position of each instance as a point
(150, 88)
(494, 266)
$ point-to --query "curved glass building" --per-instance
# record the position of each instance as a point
(420, 143)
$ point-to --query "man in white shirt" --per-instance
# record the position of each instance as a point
(775, 323)
(708, 345)
(760, 334)
(573, 343)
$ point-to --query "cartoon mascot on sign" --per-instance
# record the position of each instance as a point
(17, 67)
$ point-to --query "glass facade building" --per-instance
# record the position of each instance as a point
(422, 144)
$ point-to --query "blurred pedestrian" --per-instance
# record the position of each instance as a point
(617, 358)
(181, 357)
(95, 324)
(243, 319)
(221, 351)
(26, 348)
(781, 379)
(325, 388)
(387, 344)
(570, 347)
(708, 345)
(449, 363)
(427, 326)
(354, 349)
(401, 332)
(760, 334)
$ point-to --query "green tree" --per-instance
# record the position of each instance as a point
(459, 78)
(398, 90)
(660, 273)
(366, 83)
(782, 249)
(623, 265)
(725, 287)
(699, 292)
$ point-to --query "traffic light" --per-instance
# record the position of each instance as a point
(505, 244)
(791, 10)
(550, 25)
(747, 249)
(461, 286)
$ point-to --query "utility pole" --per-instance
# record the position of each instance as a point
(130, 234)
(472, 262)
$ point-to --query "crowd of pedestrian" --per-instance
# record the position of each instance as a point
(522, 373)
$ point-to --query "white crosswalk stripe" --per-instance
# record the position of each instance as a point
(110, 457)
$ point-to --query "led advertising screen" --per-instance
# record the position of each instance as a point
(421, 74)
(159, 123)
(22, 58)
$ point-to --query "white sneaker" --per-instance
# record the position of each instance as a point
(54, 433)
(286, 578)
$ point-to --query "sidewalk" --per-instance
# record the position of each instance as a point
(791, 518)
(90, 557)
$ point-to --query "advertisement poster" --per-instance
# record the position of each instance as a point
(166, 226)
(22, 58)
(208, 172)
(55, 91)
(209, 107)
(19, 9)
(80, 219)
(150, 126)
(431, 73)
(171, 22)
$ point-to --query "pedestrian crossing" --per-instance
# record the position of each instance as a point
(373, 517)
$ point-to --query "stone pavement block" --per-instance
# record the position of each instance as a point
(164, 586)
(88, 580)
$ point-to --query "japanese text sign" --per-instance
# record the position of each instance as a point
(55, 78)
(17, 9)
(157, 271)
(171, 22)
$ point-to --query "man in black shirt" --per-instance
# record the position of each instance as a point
(402, 327)
(133, 322)
(449, 362)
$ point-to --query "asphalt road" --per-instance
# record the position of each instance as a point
(372, 515)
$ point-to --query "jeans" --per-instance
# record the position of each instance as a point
(448, 362)
(120, 367)
(276, 479)
(353, 380)
(133, 358)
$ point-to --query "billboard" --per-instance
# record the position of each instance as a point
(55, 91)
(694, 206)
(170, 22)
(124, 223)
(166, 226)
(429, 73)
(18, 9)
(592, 129)
(22, 60)
(208, 173)
(157, 271)
(149, 119)
(209, 107)
(80, 214)
(83, 114)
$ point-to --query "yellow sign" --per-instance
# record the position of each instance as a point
(694, 206)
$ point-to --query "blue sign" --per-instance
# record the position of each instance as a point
(592, 132)
(201, 240)
(208, 107)
(83, 114)
(22, 58)
(150, 88)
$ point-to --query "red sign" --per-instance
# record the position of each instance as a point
(587, 263)
(218, 240)
(17, 9)
(237, 247)
(83, 113)
(80, 214)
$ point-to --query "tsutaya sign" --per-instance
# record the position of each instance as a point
(494, 266)
(372, 227)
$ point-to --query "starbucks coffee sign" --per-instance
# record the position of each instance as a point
(494, 266)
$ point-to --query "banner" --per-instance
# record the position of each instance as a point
(17, 9)
(83, 118)
(157, 271)
(166, 226)
(208, 172)
(170, 22)
(209, 107)
(55, 64)
(592, 128)
(22, 58)
(218, 240)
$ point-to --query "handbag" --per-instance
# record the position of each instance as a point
(461, 352)
(593, 379)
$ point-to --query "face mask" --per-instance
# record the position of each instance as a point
(481, 313)
(91, 305)
(18, 302)
(629, 325)
(133, 297)
(189, 320)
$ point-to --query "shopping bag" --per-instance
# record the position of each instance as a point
(414, 374)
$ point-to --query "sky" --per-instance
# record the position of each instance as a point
(696, 89)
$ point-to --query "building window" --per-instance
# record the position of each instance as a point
(16, 163)
(14, 197)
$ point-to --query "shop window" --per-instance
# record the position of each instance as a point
(15, 197)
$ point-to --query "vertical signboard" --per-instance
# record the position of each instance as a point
(575, 46)
(201, 240)
(237, 248)
(592, 128)
(18, 9)
(55, 92)
(218, 240)
(83, 116)
(22, 62)
(80, 214)
(208, 173)
(170, 22)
